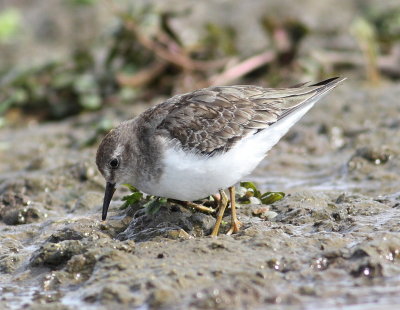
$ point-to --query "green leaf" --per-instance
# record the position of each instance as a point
(252, 187)
(131, 199)
(154, 205)
(81, 2)
(132, 188)
(85, 83)
(271, 197)
(90, 101)
(135, 197)
(244, 201)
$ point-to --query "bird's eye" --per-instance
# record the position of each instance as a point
(114, 163)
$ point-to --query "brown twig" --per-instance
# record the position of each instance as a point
(177, 57)
(243, 68)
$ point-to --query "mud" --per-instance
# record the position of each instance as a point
(333, 241)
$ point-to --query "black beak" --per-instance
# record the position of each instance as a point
(110, 189)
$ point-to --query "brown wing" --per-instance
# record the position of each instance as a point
(213, 120)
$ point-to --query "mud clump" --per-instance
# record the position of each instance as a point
(55, 254)
(375, 156)
(171, 221)
(23, 216)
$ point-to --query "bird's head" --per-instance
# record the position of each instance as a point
(113, 160)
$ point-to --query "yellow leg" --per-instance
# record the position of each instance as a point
(235, 224)
(217, 199)
(223, 202)
(199, 207)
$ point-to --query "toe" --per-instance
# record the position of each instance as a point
(235, 227)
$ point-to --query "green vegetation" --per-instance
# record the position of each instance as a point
(54, 90)
(247, 193)
(151, 204)
(10, 24)
(248, 190)
(144, 55)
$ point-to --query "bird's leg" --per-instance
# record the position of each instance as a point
(217, 199)
(223, 202)
(202, 208)
(198, 207)
(235, 224)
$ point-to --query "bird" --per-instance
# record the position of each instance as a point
(198, 144)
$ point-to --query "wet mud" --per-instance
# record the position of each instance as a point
(333, 241)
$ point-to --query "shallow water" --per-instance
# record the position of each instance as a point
(334, 244)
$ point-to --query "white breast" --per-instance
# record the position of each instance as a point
(189, 176)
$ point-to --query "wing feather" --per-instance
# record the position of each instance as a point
(213, 120)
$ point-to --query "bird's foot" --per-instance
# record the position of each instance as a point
(235, 227)
(235, 224)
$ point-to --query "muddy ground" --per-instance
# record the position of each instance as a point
(334, 240)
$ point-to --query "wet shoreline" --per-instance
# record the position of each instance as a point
(334, 241)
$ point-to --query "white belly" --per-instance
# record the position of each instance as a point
(189, 176)
(192, 176)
